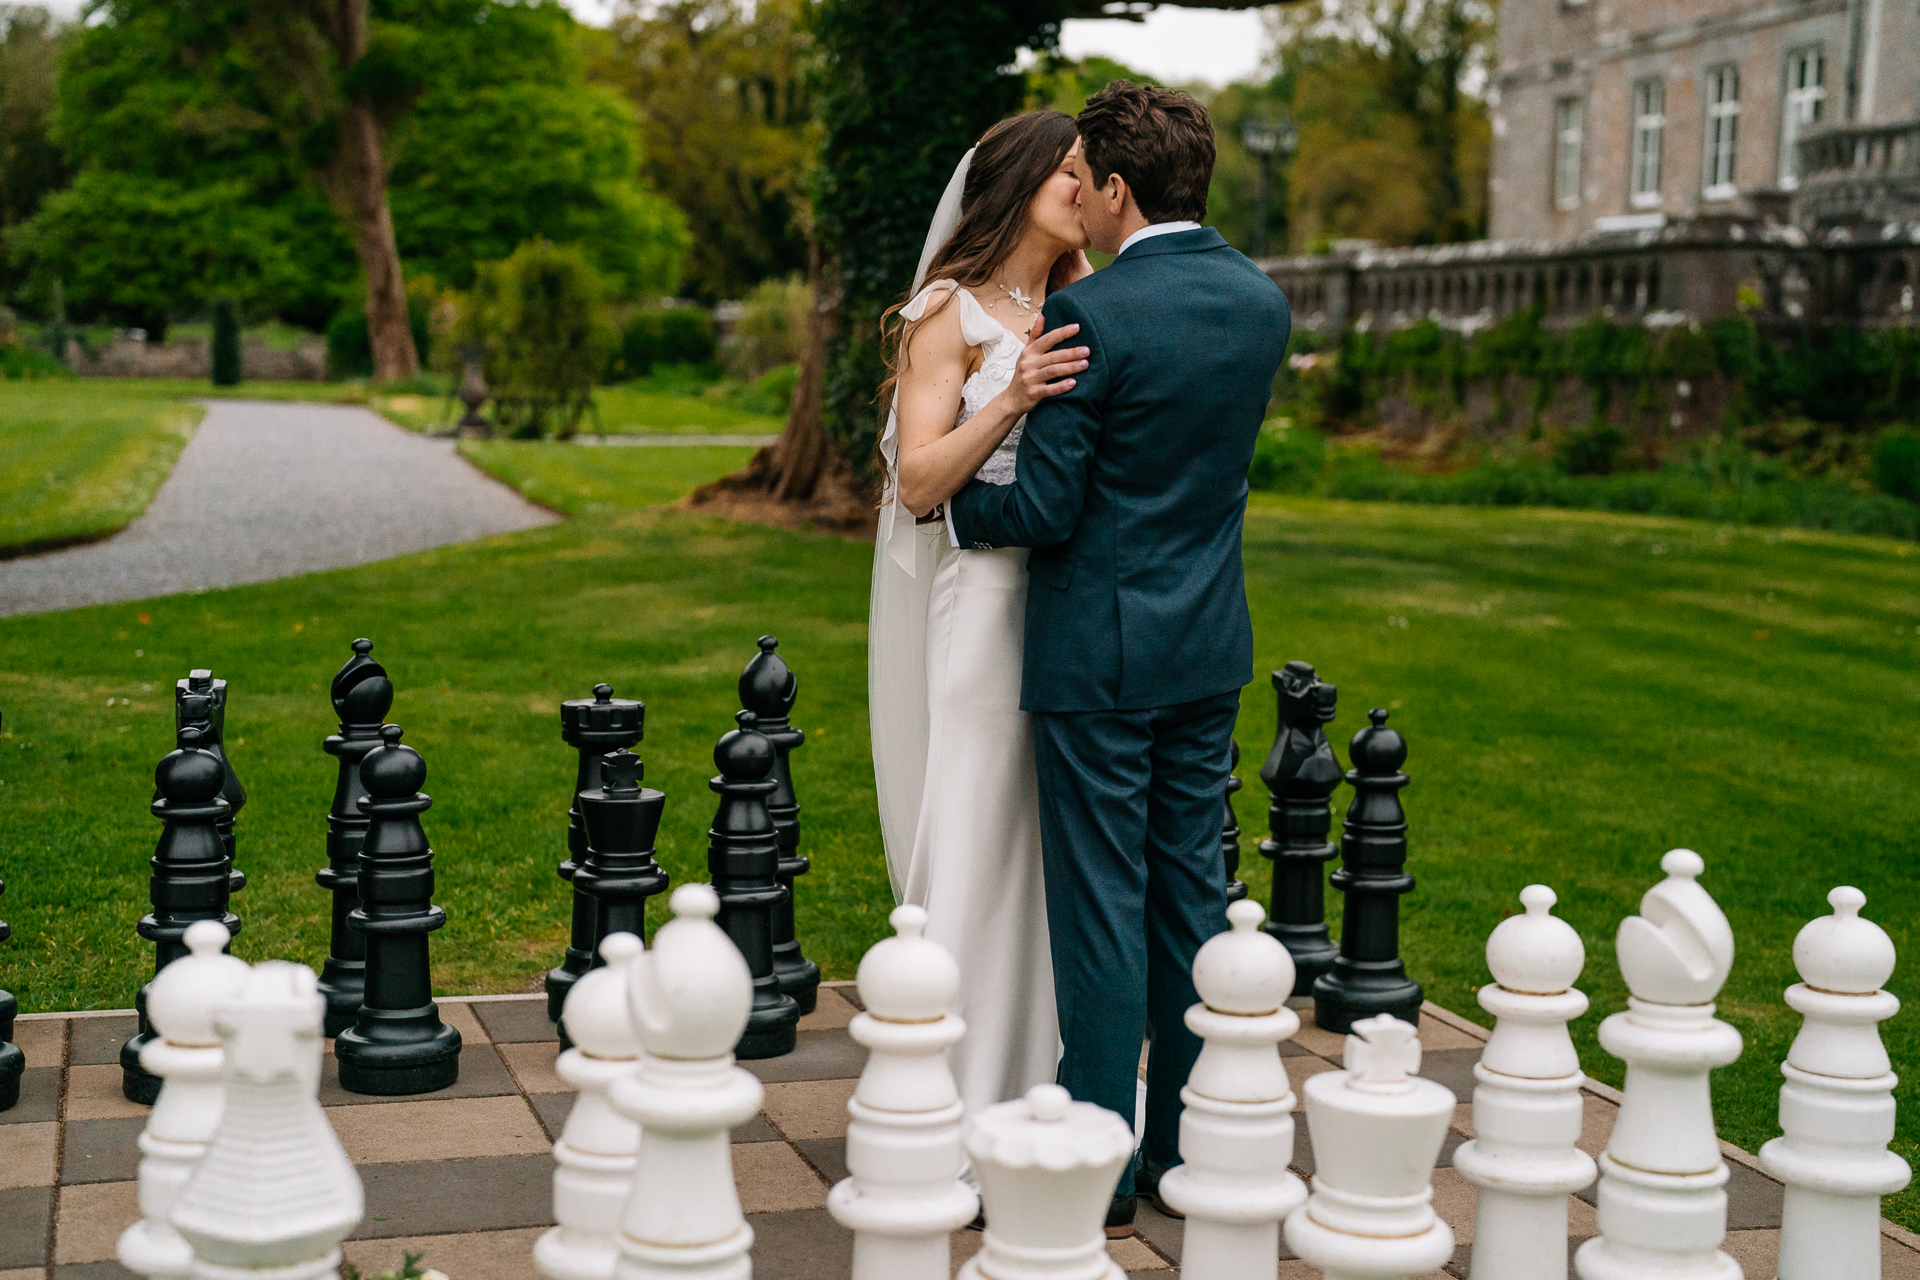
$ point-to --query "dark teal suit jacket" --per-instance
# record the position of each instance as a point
(1132, 487)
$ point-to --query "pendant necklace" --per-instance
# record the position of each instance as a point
(1022, 300)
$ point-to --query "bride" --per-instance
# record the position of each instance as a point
(953, 752)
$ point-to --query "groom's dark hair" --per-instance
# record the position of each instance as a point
(1159, 140)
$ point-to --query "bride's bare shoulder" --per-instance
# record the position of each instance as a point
(936, 334)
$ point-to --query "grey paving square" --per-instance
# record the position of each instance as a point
(1157, 1229)
(1452, 1068)
(819, 1055)
(828, 1155)
(94, 1271)
(39, 1098)
(442, 1197)
(515, 1021)
(101, 1150)
(482, 1075)
(756, 1130)
(24, 1215)
(1753, 1200)
(806, 1244)
(1450, 1144)
(553, 1110)
(96, 1041)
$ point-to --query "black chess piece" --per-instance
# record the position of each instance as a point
(618, 872)
(1230, 834)
(743, 861)
(1301, 774)
(397, 1044)
(1368, 976)
(13, 1060)
(362, 696)
(593, 727)
(768, 688)
(213, 737)
(190, 879)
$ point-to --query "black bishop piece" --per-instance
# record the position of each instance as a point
(768, 689)
(618, 873)
(212, 722)
(743, 861)
(1230, 834)
(593, 727)
(362, 696)
(1301, 774)
(13, 1060)
(397, 1044)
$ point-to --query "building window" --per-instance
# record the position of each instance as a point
(1649, 129)
(1806, 94)
(1723, 131)
(1569, 130)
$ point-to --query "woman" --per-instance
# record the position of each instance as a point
(953, 753)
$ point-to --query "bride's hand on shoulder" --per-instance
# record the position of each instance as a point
(1045, 368)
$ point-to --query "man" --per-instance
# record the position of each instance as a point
(1131, 490)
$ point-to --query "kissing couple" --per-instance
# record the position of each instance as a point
(1059, 629)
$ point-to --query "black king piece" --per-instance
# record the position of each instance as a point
(1230, 833)
(768, 688)
(618, 873)
(397, 1045)
(593, 727)
(743, 861)
(1301, 773)
(1368, 977)
(362, 696)
(13, 1060)
(212, 720)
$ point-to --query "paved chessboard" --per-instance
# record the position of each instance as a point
(464, 1177)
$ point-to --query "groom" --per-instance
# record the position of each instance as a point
(1131, 489)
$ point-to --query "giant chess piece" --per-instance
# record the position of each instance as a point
(275, 1194)
(397, 1043)
(1230, 832)
(594, 1158)
(188, 1059)
(1236, 1133)
(592, 727)
(362, 696)
(618, 873)
(1836, 1107)
(210, 715)
(1662, 1203)
(189, 880)
(1368, 977)
(1301, 774)
(743, 857)
(904, 1196)
(1376, 1132)
(1526, 1102)
(13, 1059)
(768, 688)
(689, 997)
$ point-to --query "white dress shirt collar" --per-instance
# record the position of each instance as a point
(1156, 229)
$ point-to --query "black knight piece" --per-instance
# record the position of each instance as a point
(1230, 834)
(13, 1060)
(1301, 774)
(362, 696)
(397, 1045)
(593, 727)
(618, 872)
(1368, 977)
(743, 861)
(768, 688)
(213, 737)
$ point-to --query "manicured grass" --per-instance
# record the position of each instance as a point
(591, 480)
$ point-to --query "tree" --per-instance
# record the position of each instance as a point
(542, 319)
(31, 165)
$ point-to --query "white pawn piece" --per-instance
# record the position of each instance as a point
(1236, 1134)
(1526, 1102)
(689, 997)
(275, 1194)
(905, 1195)
(596, 1152)
(187, 1057)
(1837, 1105)
(1662, 1204)
(1047, 1167)
(1376, 1132)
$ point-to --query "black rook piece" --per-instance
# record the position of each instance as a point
(1230, 834)
(618, 873)
(397, 1044)
(1368, 976)
(13, 1061)
(768, 688)
(213, 737)
(362, 696)
(190, 871)
(1301, 773)
(592, 726)
(743, 860)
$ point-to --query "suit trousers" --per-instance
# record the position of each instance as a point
(1131, 807)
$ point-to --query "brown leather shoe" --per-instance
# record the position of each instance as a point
(1147, 1183)
(1120, 1217)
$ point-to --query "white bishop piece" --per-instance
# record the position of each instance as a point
(1837, 1105)
(689, 998)
(1376, 1132)
(903, 1145)
(1526, 1102)
(1236, 1133)
(1662, 1201)
(187, 1057)
(596, 1152)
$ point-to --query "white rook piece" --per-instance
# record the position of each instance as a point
(903, 1145)
(1236, 1134)
(274, 1196)
(186, 1055)
(1376, 1132)
(1837, 1105)
(1047, 1167)
(1662, 1202)
(596, 1151)
(689, 997)
(1526, 1102)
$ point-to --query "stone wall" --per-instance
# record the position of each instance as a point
(193, 358)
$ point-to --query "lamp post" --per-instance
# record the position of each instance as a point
(1262, 139)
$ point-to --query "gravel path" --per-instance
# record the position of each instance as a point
(267, 491)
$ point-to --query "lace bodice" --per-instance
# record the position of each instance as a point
(999, 351)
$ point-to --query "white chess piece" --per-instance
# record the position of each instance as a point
(1047, 1167)
(1526, 1102)
(1662, 1201)
(689, 996)
(1836, 1107)
(1376, 1131)
(903, 1145)
(187, 1057)
(1236, 1133)
(275, 1194)
(595, 1155)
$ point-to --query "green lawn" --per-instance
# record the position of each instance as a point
(633, 410)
